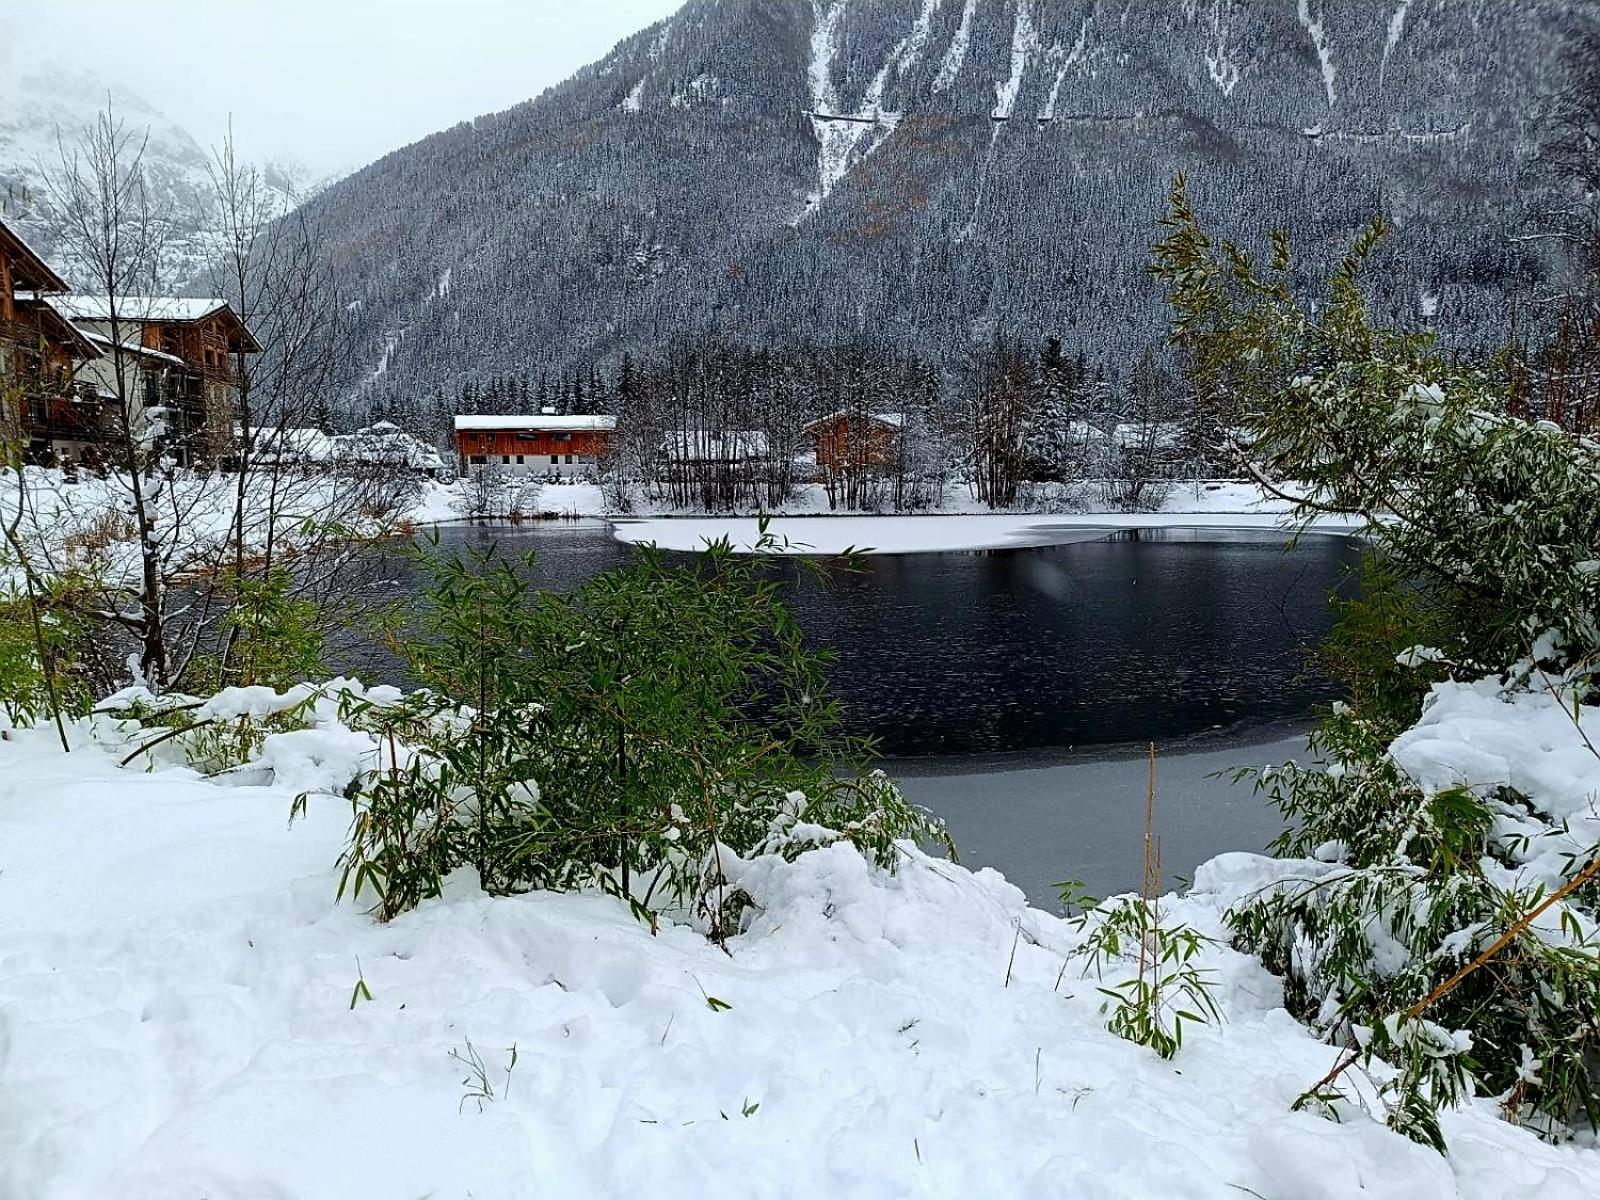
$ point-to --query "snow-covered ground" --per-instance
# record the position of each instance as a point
(88, 522)
(179, 1017)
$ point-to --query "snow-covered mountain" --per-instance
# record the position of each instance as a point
(929, 171)
(42, 106)
(45, 111)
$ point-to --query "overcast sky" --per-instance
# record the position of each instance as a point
(332, 83)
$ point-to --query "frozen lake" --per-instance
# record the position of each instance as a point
(1138, 635)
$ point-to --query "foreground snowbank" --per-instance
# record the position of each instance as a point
(179, 1015)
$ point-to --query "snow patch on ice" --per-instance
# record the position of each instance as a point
(915, 535)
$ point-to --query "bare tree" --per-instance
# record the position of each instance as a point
(1145, 444)
(110, 230)
(999, 422)
(222, 521)
(267, 260)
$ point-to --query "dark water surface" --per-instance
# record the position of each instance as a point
(1146, 635)
(1012, 690)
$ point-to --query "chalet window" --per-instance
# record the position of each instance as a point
(555, 459)
(520, 463)
(479, 460)
(505, 460)
(569, 460)
(561, 437)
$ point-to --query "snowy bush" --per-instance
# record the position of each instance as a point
(638, 734)
(1443, 921)
(1156, 985)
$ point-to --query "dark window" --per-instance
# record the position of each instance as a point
(478, 460)
(505, 460)
(569, 460)
(554, 459)
(519, 461)
(561, 437)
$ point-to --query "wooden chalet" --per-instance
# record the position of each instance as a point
(42, 404)
(856, 441)
(545, 444)
(179, 355)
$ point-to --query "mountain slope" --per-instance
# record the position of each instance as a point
(44, 112)
(928, 171)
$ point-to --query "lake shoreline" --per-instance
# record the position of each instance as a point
(1041, 818)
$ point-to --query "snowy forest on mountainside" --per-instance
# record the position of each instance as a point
(927, 174)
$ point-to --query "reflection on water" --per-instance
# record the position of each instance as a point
(1140, 635)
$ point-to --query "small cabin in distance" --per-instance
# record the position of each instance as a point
(544, 444)
(856, 441)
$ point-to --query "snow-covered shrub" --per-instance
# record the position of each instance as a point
(637, 733)
(1445, 920)
(1155, 986)
(228, 731)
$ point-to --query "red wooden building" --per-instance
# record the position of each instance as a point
(40, 401)
(852, 441)
(535, 445)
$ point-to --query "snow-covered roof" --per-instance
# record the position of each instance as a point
(136, 308)
(542, 424)
(53, 323)
(105, 343)
(387, 443)
(154, 309)
(892, 419)
(295, 443)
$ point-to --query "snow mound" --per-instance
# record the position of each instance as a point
(180, 1015)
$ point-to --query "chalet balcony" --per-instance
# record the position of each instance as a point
(67, 417)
